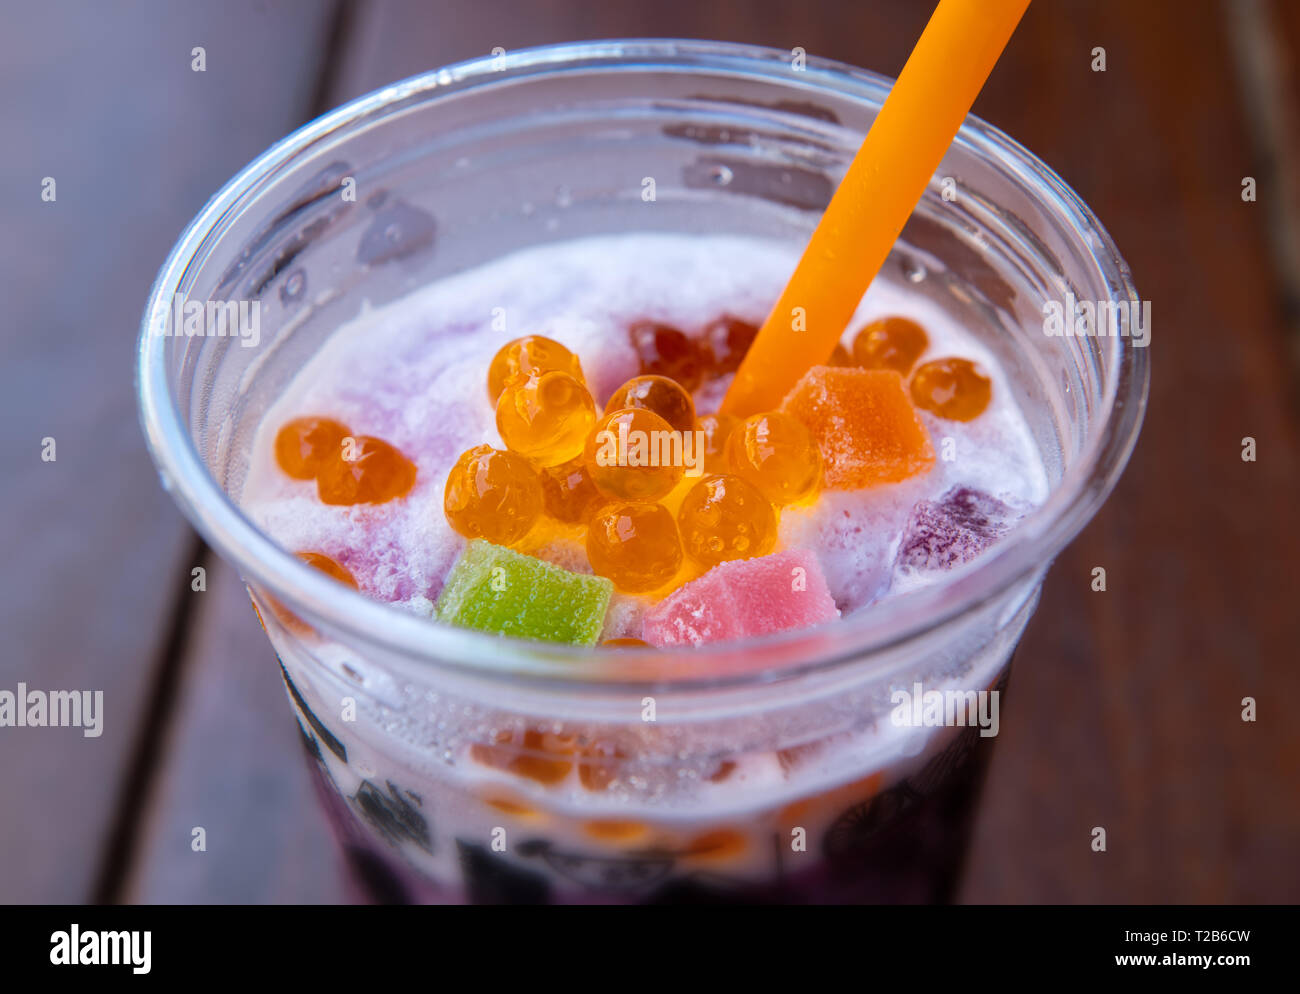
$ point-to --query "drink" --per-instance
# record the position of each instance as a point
(413, 374)
(512, 770)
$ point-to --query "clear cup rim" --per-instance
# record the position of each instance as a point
(407, 640)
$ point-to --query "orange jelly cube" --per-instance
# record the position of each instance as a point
(864, 423)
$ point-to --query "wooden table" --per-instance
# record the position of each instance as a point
(1127, 708)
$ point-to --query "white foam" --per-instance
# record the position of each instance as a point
(414, 373)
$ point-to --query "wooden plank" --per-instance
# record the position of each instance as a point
(1126, 705)
(235, 767)
(104, 100)
(392, 39)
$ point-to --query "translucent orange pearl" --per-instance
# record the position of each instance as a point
(723, 844)
(778, 455)
(665, 397)
(666, 351)
(546, 418)
(606, 830)
(303, 445)
(722, 518)
(635, 545)
(840, 357)
(634, 455)
(329, 567)
(568, 492)
(952, 388)
(600, 764)
(531, 355)
(727, 340)
(366, 471)
(716, 428)
(537, 755)
(890, 343)
(493, 495)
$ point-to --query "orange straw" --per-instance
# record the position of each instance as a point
(887, 177)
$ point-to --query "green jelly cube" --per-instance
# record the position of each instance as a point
(497, 590)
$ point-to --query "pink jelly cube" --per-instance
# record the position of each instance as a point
(742, 599)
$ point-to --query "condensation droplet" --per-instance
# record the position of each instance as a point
(913, 270)
(563, 197)
(528, 208)
(721, 175)
(294, 284)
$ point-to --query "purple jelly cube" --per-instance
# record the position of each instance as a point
(945, 533)
(742, 599)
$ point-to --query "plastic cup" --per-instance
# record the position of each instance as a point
(461, 767)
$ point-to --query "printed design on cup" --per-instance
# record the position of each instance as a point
(618, 874)
(393, 815)
(647, 875)
(312, 746)
(853, 831)
(489, 879)
(329, 738)
(701, 889)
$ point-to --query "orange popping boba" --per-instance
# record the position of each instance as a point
(634, 544)
(716, 428)
(546, 418)
(952, 388)
(630, 455)
(493, 495)
(778, 455)
(304, 444)
(531, 355)
(890, 343)
(665, 351)
(365, 470)
(330, 567)
(724, 518)
(568, 492)
(659, 394)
